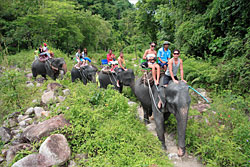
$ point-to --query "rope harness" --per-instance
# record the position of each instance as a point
(151, 94)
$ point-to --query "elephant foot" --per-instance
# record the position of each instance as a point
(164, 147)
(146, 121)
(181, 152)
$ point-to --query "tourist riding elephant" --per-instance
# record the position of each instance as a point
(125, 78)
(175, 99)
(85, 74)
(52, 67)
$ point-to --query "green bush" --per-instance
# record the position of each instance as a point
(106, 128)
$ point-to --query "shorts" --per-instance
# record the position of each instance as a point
(167, 78)
(163, 64)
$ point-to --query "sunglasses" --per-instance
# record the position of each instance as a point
(152, 45)
(176, 53)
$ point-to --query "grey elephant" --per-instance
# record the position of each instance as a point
(52, 67)
(85, 74)
(175, 99)
(126, 78)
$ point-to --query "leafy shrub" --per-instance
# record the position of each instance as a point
(105, 127)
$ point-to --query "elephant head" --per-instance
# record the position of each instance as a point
(89, 72)
(176, 100)
(56, 67)
(127, 78)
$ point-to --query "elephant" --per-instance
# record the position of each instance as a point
(175, 99)
(52, 67)
(85, 74)
(125, 78)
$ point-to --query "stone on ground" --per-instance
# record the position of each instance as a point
(33, 160)
(12, 151)
(48, 96)
(66, 92)
(56, 149)
(29, 111)
(5, 134)
(38, 111)
(53, 86)
(36, 132)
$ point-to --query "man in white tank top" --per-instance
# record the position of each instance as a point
(174, 64)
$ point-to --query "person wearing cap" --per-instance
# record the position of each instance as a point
(45, 49)
(164, 55)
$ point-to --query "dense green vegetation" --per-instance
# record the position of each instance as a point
(213, 36)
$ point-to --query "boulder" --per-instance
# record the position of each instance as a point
(33, 160)
(30, 85)
(29, 76)
(53, 86)
(22, 117)
(61, 98)
(5, 134)
(12, 151)
(56, 149)
(29, 111)
(12, 122)
(38, 111)
(48, 96)
(66, 92)
(37, 131)
(38, 85)
(46, 113)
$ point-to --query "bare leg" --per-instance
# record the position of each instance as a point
(153, 72)
(158, 73)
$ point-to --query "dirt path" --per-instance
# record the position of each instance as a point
(186, 161)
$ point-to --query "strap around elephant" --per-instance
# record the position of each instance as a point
(152, 97)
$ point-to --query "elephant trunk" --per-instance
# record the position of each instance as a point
(182, 117)
(132, 86)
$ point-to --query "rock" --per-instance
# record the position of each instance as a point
(21, 117)
(81, 156)
(30, 85)
(38, 85)
(56, 148)
(29, 76)
(61, 98)
(37, 131)
(28, 120)
(53, 86)
(13, 122)
(72, 163)
(173, 156)
(11, 152)
(46, 113)
(66, 92)
(34, 101)
(57, 104)
(38, 111)
(131, 103)
(40, 80)
(5, 134)
(29, 111)
(48, 96)
(22, 124)
(14, 115)
(1, 159)
(33, 160)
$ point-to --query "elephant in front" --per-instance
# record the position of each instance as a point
(175, 99)
(52, 67)
(126, 78)
(85, 74)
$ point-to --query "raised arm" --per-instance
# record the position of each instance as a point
(181, 70)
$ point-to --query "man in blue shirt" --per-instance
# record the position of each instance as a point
(164, 55)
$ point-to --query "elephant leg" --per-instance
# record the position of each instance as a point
(120, 88)
(166, 116)
(44, 76)
(146, 115)
(160, 128)
(182, 117)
